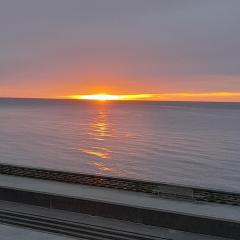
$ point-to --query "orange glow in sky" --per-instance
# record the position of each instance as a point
(107, 97)
(182, 96)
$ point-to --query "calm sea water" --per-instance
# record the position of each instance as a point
(188, 143)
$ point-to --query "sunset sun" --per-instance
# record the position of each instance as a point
(99, 97)
(109, 97)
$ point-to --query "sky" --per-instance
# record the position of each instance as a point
(59, 48)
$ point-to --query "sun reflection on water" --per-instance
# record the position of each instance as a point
(100, 131)
(100, 127)
(99, 152)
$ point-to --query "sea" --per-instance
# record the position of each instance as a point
(186, 143)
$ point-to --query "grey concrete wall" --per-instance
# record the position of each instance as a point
(161, 218)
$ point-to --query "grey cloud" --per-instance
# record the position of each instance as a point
(137, 37)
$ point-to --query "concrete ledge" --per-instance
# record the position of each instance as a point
(156, 217)
(153, 188)
(39, 217)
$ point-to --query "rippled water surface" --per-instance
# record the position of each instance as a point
(187, 143)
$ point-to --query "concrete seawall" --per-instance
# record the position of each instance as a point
(140, 207)
(153, 188)
(161, 218)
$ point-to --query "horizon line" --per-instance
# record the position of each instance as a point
(84, 100)
(156, 97)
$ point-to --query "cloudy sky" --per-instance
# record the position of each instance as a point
(53, 48)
